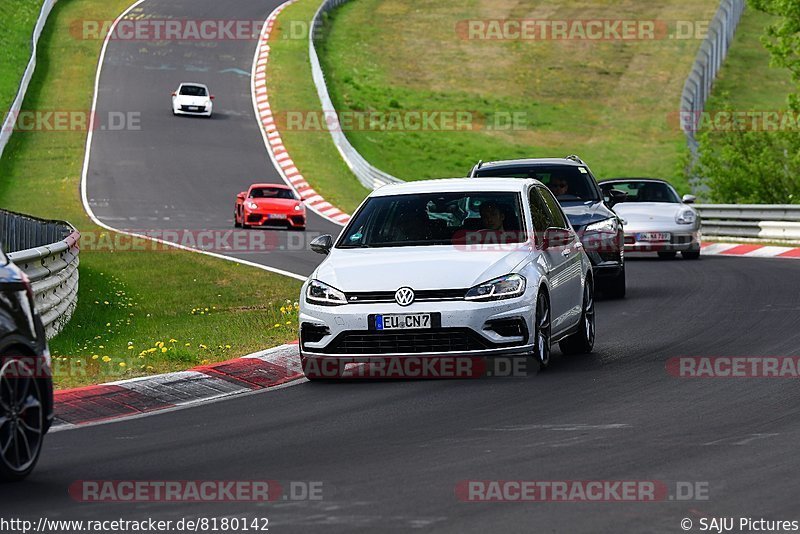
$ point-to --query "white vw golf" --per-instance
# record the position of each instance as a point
(459, 267)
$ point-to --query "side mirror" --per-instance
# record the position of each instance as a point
(212, 97)
(174, 94)
(615, 196)
(688, 199)
(556, 237)
(322, 244)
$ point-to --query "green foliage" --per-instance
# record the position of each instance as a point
(783, 39)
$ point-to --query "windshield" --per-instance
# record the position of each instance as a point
(193, 90)
(434, 219)
(640, 191)
(567, 182)
(272, 192)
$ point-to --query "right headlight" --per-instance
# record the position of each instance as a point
(685, 216)
(321, 293)
(505, 287)
(606, 226)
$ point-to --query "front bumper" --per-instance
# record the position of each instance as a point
(465, 328)
(262, 218)
(605, 252)
(681, 239)
(204, 111)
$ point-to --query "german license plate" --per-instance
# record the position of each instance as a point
(400, 322)
(277, 216)
(653, 236)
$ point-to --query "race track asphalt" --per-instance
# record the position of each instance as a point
(390, 453)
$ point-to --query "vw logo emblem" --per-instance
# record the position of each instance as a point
(404, 296)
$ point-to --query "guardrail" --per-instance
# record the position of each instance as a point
(709, 60)
(370, 176)
(8, 124)
(764, 222)
(47, 251)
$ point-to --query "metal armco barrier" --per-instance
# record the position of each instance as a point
(709, 60)
(765, 222)
(7, 128)
(370, 177)
(47, 251)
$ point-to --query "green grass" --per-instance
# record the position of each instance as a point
(17, 19)
(291, 90)
(746, 81)
(139, 299)
(609, 101)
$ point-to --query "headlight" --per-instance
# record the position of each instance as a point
(320, 293)
(685, 217)
(252, 205)
(298, 207)
(505, 287)
(606, 226)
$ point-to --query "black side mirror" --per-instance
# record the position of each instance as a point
(615, 196)
(322, 244)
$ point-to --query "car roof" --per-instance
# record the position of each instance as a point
(531, 162)
(614, 180)
(276, 186)
(455, 185)
(194, 83)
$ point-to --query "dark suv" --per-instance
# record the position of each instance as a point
(576, 189)
(26, 388)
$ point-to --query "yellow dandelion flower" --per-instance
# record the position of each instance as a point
(203, 346)
(173, 340)
(106, 359)
(277, 325)
(100, 346)
(130, 347)
(163, 349)
(122, 364)
(95, 356)
(227, 346)
(188, 345)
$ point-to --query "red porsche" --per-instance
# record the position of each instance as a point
(269, 204)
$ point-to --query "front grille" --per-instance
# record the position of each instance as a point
(254, 218)
(410, 341)
(297, 219)
(425, 295)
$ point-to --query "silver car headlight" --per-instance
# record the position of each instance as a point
(505, 287)
(685, 217)
(606, 226)
(320, 293)
(252, 205)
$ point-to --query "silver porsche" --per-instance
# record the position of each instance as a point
(655, 218)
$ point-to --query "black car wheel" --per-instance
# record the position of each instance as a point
(582, 341)
(690, 254)
(542, 322)
(21, 420)
(615, 287)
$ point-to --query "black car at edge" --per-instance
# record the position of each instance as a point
(599, 228)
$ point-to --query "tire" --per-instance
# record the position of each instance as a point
(236, 223)
(615, 288)
(23, 420)
(582, 341)
(667, 255)
(542, 332)
(690, 254)
(314, 372)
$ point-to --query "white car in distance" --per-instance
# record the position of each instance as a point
(192, 99)
(448, 268)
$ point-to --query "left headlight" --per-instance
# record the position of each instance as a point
(321, 293)
(685, 217)
(298, 207)
(606, 226)
(252, 205)
(505, 287)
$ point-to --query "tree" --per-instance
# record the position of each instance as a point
(783, 39)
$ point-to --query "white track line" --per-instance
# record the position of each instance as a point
(87, 155)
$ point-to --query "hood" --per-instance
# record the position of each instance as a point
(582, 213)
(636, 212)
(428, 267)
(275, 203)
(186, 100)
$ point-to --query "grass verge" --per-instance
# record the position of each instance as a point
(17, 19)
(138, 312)
(292, 90)
(746, 80)
(613, 102)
